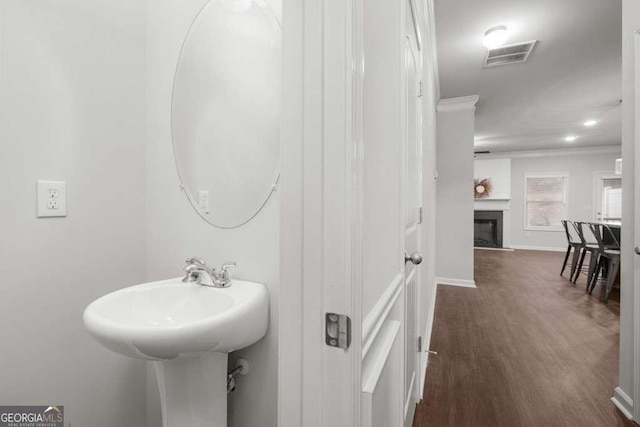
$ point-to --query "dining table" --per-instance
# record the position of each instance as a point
(611, 233)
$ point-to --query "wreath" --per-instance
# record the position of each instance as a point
(481, 188)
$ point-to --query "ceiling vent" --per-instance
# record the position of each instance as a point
(511, 54)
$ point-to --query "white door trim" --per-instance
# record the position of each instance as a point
(623, 402)
(428, 332)
(290, 327)
(377, 317)
(636, 278)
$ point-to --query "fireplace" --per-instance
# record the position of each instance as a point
(487, 229)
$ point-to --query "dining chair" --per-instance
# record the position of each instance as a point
(609, 258)
(589, 245)
(573, 242)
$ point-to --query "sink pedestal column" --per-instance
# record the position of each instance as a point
(193, 391)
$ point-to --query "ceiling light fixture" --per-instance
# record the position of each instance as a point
(590, 123)
(571, 138)
(495, 37)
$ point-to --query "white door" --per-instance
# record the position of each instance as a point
(607, 197)
(391, 203)
(413, 214)
(383, 287)
(350, 211)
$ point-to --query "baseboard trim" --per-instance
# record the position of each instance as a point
(509, 249)
(456, 282)
(623, 402)
(539, 248)
(424, 356)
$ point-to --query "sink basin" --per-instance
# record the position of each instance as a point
(170, 319)
(186, 330)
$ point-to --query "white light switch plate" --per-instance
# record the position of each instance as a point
(51, 198)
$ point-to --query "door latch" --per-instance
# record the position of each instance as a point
(337, 330)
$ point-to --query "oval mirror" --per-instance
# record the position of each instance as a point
(225, 113)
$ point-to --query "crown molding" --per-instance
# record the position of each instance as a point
(609, 149)
(463, 103)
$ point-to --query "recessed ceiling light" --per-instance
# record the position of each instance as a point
(590, 123)
(495, 36)
(571, 138)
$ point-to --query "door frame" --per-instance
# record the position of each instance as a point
(636, 268)
(321, 201)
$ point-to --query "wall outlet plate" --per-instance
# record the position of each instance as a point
(51, 199)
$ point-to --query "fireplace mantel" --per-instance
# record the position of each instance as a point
(492, 204)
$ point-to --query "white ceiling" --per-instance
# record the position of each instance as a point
(573, 74)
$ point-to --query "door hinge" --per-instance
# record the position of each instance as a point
(419, 344)
(420, 89)
(337, 330)
(420, 215)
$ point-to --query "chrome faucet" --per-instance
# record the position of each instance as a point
(196, 270)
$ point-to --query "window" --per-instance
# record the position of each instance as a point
(611, 199)
(545, 201)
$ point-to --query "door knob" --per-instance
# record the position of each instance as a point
(637, 250)
(415, 258)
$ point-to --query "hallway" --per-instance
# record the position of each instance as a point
(526, 348)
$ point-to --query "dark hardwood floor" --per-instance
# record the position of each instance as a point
(526, 348)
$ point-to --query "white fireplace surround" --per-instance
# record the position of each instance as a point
(498, 171)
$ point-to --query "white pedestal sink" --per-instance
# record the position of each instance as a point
(187, 330)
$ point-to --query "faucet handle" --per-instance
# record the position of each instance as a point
(189, 270)
(195, 260)
(229, 264)
(223, 276)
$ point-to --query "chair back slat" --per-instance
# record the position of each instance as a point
(573, 236)
(609, 233)
(579, 238)
(596, 231)
(586, 236)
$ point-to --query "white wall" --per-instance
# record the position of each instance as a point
(175, 231)
(630, 24)
(498, 171)
(71, 108)
(455, 195)
(580, 196)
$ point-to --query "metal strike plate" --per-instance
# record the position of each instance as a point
(337, 330)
